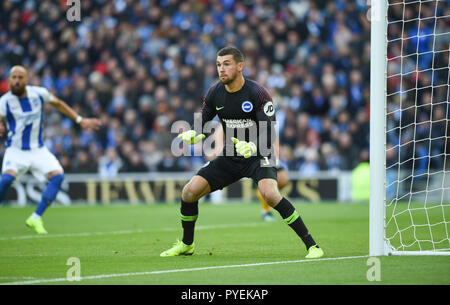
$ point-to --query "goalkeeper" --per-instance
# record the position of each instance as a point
(246, 112)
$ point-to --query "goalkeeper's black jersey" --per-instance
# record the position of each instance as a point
(247, 114)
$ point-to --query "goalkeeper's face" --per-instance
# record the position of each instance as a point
(228, 69)
(18, 80)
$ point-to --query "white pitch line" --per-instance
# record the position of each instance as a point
(103, 276)
(224, 226)
(16, 277)
(70, 234)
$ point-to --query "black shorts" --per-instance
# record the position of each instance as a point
(223, 171)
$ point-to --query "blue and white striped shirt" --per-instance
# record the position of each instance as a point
(24, 117)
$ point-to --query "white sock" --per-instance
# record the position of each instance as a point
(35, 216)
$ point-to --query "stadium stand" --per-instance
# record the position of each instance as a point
(141, 65)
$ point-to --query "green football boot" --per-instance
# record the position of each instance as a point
(179, 248)
(36, 224)
(314, 252)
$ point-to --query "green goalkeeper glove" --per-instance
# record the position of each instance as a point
(246, 149)
(190, 137)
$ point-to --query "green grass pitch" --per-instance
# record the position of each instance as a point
(120, 244)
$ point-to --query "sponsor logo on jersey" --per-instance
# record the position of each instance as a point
(247, 106)
(238, 123)
(269, 109)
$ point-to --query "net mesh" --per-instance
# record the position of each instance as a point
(417, 125)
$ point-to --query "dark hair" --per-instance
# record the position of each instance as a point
(237, 54)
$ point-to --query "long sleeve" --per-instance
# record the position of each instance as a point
(208, 112)
(265, 118)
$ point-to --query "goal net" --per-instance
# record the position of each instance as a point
(416, 50)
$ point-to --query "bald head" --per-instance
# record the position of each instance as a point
(17, 80)
(18, 69)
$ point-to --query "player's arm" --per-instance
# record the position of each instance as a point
(2, 126)
(193, 136)
(265, 118)
(3, 114)
(85, 123)
(208, 110)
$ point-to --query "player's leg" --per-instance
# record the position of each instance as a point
(6, 180)
(213, 176)
(270, 192)
(48, 196)
(283, 180)
(265, 208)
(55, 179)
(45, 162)
(13, 165)
(195, 189)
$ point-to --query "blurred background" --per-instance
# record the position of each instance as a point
(141, 65)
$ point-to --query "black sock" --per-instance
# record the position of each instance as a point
(293, 219)
(189, 213)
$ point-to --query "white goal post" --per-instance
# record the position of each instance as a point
(409, 128)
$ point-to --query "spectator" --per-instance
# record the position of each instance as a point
(141, 65)
(109, 164)
(84, 163)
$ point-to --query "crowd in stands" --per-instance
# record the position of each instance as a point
(141, 65)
